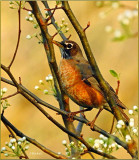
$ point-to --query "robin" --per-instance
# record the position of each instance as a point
(78, 81)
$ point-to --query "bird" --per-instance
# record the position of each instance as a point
(78, 80)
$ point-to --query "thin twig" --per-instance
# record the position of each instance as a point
(50, 9)
(88, 25)
(112, 125)
(118, 85)
(26, 9)
(3, 98)
(45, 3)
(49, 18)
(19, 35)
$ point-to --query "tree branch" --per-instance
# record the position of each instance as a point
(19, 34)
(33, 141)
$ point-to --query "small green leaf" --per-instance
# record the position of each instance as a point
(114, 74)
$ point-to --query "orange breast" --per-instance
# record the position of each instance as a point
(76, 89)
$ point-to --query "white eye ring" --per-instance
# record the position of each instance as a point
(69, 44)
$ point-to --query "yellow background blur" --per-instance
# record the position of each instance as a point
(31, 65)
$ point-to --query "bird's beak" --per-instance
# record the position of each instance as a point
(57, 43)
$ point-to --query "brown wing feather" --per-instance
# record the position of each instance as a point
(87, 77)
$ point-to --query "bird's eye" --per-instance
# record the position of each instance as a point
(69, 46)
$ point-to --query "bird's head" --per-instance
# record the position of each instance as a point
(70, 49)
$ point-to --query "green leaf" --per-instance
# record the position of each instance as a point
(114, 74)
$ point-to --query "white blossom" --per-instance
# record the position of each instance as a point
(96, 145)
(45, 91)
(27, 18)
(135, 108)
(63, 19)
(113, 145)
(19, 143)
(27, 147)
(36, 87)
(28, 37)
(117, 34)
(105, 145)
(81, 149)
(101, 136)
(64, 142)
(72, 143)
(83, 146)
(47, 78)
(13, 147)
(128, 14)
(61, 25)
(3, 149)
(121, 122)
(67, 29)
(90, 139)
(46, 12)
(100, 150)
(131, 124)
(115, 5)
(119, 146)
(41, 81)
(30, 13)
(125, 21)
(130, 111)
(66, 24)
(135, 13)
(128, 138)
(102, 15)
(6, 143)
(4, 90)
(6, 154)
(108, 29)
(50, 77)
(135, 130)
(120, 17)
(101, 141)
(23, 138)
(13, 140)
(20, 140)
(10, 144)
(119, 126)
(30, 19)
(59, 153)
(131, 119)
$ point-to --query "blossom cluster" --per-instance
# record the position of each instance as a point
(15, 147)
(63, 26)
(104, 144)
(81, 147)
(49, 83)
(125, 19)
(4, 103)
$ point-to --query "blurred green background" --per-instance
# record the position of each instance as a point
(31, 65)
